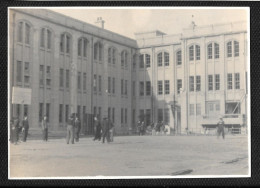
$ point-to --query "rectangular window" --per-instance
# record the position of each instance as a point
(191, 53)
(229, 49)
(79, 47)
(48, 111)
(178, 58)
(191, 83)
(197, 52)
(133, 88)
(141, 59)
(198, 109)
(198, 83)
(141, 88)
(85, 43)
(217, 82)
(210, 51)
(160, 87)
(95, 83)
(48, 71)
(125, 116)
(108, 85)
(62, 41)
(42, 37)
(191, 109)
(40, 112)
(166, 59)
(229, 80)
(210, 82)
(167, 87)
(237, 81)
(60, 113)
(122, 87)
(68, 44)
(125, 87)
(79, 80)
(233, 108)
(147, 60)
(159, 59)
(113, 115)
(41, 75)
(84, 81)
(67, 78)
(179, 85)
(19, 71)
(99, 84)
(148, 117)
(27, 34)
(122, 115)
(236, 48)
(160, 115)
(61, 77)
(148, 88)
(67, 112)
(113, 85)
(216, 49)
(48, 82)
(48, 39)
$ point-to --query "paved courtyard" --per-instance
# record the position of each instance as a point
(131, 156)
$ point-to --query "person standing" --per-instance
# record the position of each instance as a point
(97, 127)
(45, 129)
(105, 130)
(220, 128)
(70, 130)
(139, 128)
(15, 130)
(77, 128)
(111, 130)
(25, 128)
(142, 128)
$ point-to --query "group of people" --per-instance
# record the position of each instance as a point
(103, 130)
(16, 129)
(73, 129)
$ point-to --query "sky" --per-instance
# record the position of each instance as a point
(127, 21)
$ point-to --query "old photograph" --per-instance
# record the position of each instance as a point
(128, 92)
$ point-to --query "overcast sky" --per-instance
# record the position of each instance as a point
(171, 21)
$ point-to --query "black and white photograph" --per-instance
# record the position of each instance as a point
(128, 92)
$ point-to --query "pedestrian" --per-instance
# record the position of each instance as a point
(111, 131)
(25, 128)
(15, 130)
(97, 128)
(142, 128)
(70, 130)
(220, 128)
(105, 129)
(77, 128)
(139, 128)
(45, 128)
(162, 128)
(158, 127)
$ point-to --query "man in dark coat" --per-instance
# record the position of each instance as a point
(220, 127)
(77, 128)
(70, 130)
(97, 126)
(106, 124)
(25, 128)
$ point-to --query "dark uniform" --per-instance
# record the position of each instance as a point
(220, 128)
(25, 127)
(70, 131)
(106, 124)
(97, 130)
(77, 129)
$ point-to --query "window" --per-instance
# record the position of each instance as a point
(108, 84)
(48, 82)
(123, 58)
(114, 56)
(191, 83)
(19, 71)
(210, 51)
(198, 109)
(134, 62)
(68, 44)
(20, 32)
(229, 80)
(133, 88)
(61, 77)
(233, 108)
(197, 52)
(84, 80)
(60, 113)
(148, 117)
(48, 71)
(159, 59)
(122, 87)
(109, 55)
(166, 116)
(113, 115)
(236, 49)
(40, 112)
(191, 109)
(95, 83)
(65, 43)
(48, 39)
(179, 85)
(217, 82)
(191, 53)
(113, 86)
(210, 82)
(148, 88)
(48, 111)
(229, 49)
(67, 78)
(216, 50)
(160, 115)
(125, 116)
(67, 112)
(99, 84)
(141, 59)
(122, 115)
(166, 59)
(125, 87)
(160, 87)
(167, 87)
(27, 80)
(27, 33)
(178, 54)
(98, 51)
(43, 41)
(85, 43)
(79, 80)
(147, 61)
(62, 42)
(42, 37)
(79, 47)
(41, 75)
(237, 81)
(141, 88)
(198, 83)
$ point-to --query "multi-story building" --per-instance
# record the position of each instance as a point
(74, 67)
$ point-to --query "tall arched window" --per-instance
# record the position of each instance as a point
(65, 43)
(98, 51)
(45, 41)
(233, 47)
(194, 49)
(124, 58)
(213, 50)
(163, 57)
(82, 47)
(24, 32)
(178, 57)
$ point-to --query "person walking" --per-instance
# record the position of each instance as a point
(105, 130)
(70, 130)
(220, 128)
(97, 127)
(25, 128)
(45, 129)
(77, 128)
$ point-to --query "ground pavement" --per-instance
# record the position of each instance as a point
(131, 156)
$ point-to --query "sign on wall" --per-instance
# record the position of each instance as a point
(21, 95)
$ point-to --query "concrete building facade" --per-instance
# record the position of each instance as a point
(70, 66)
